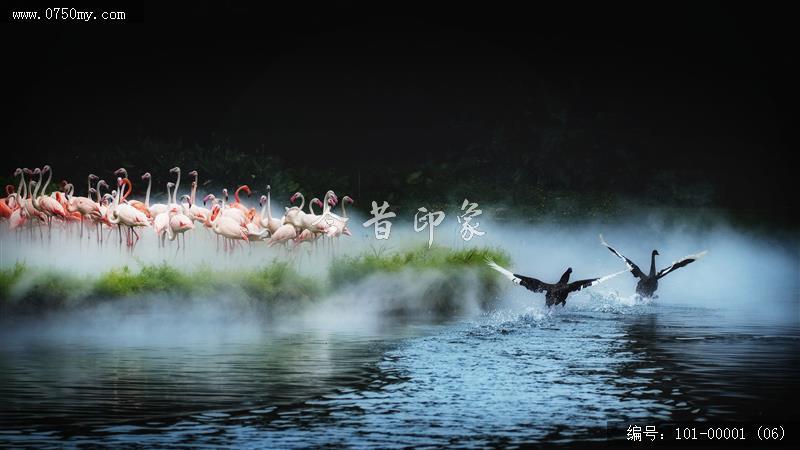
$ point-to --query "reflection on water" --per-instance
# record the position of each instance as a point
(500, 378)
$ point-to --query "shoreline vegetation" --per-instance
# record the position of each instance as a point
(272, 290)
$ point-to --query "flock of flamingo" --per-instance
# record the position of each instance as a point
(29, 207)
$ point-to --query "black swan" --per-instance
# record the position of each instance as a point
(554, 293)
(648, 283)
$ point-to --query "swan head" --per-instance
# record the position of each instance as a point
(655, 252)
(569, 269)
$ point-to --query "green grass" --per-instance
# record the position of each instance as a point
(444, 293)
(350, 269)
(277, 285)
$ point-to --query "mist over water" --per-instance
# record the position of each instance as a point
(744, 273)
(217, 372)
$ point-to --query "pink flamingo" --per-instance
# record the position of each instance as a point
(227, 227)
(48, 206)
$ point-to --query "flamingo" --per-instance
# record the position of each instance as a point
(306, 234)
(227, 227)
(159, 208)
(86, 207)
(127, 215)
(194, 186)
(18, 216)
(48, 206)
(193, 211)
(69, 191)
(336, 225)
(135, 203)
(89, 180)
(301, 220)
(173, 202)
(238, 204)
(102, 204)
(161, 220)
(283, 234)
(5, 209)
(179, 224)
(270, 223)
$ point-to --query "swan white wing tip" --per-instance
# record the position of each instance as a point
(507, 273)
(608, 277)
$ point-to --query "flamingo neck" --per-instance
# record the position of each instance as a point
(129, 185)
(98, 191)
(23, 190)
(177, 185)
(147, 194)
(36, 192)
(47, 183)
(302, 201)
(22, 184)
(311, 207)
(326, 205)
(194, 189)
(269, 207)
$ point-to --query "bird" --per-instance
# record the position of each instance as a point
(269, 222)
(179, 223)
(556, 293)
(648, 283)
(227, 227)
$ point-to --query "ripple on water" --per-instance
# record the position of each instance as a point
(504, 378)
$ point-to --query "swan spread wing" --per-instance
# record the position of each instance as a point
(686, 260)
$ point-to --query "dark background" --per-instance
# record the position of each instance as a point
(683, 105)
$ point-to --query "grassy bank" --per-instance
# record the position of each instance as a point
(275, 287)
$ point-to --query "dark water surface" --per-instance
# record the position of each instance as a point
(502, 378)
